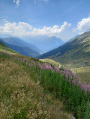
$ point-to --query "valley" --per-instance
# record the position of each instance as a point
(75, 53)
(34, 88)
(44, 59)
(21, 94)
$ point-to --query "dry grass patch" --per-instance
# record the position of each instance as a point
(22, 98)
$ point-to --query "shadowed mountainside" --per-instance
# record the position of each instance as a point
(21, 46)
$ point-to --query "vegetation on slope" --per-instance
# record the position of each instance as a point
(5, 48)
(83, 73)
(21, 96)
(26, 99)
(51, 62)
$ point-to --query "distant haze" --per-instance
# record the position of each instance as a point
(45, 43)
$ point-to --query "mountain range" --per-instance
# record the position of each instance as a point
(74, 53)
(21, 46)
(45, 43)
(32, 47)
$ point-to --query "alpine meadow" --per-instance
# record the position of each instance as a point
(45, 59)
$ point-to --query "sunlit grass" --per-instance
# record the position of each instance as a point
(22, 97)
(83, 73)
(51, 62)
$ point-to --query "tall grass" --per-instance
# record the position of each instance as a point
(60, 82)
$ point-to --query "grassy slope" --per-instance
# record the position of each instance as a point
(4, 48)
(51, 62)
(73, 54)
(21, 96)
(83, 73)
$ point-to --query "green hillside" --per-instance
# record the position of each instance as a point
(5, 48)
(75, 53)
(21, 95)
(32, 89)
(51, 62)
(83, 73)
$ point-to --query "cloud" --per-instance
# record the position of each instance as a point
(17, 2)
(21, 29)
(84, 24)
(51, 31)
(16, 29)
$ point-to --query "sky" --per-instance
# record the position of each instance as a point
(32, 18)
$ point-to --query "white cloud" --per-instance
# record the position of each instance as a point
(51, 31)
(84, 24)
(21, 29)
(17, 2)
(80, 33)
(16, 29)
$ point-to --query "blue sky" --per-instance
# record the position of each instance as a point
(60, 18)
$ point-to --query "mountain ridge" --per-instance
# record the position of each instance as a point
(20, 46)
(71, 51)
